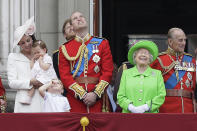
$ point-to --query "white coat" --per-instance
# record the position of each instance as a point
(19, 76)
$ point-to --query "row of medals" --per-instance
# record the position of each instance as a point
(188, 67)
(95, 58)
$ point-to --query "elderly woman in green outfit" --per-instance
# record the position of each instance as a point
(142, 88)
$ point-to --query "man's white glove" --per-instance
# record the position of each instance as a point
(135, 109)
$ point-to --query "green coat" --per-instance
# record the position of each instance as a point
(147, 88)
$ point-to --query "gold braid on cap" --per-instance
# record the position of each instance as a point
(100, 87)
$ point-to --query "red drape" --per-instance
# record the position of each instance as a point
(98, 122)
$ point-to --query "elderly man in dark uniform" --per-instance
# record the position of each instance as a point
(85, 67)
(179, 73)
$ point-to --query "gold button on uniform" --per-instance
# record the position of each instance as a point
(141, 91)
(140, 99)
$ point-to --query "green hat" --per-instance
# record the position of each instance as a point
(149, 45)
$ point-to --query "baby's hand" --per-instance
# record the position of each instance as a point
(50, 83)
(35, 57)
(40, 58)
(55, 81)
(42, 54)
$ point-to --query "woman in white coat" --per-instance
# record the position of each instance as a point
(19, 71)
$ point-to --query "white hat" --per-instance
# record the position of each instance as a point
(28, 28)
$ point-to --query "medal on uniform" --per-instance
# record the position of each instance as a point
(185, 66)
(96, 58)
(189, 76)
(191, 67)
(96, 69)
(187, 83)
(93, 49)
(177, 65)
(97, 50)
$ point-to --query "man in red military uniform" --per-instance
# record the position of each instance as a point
(85, 67)
(178, 69)
(2, 97)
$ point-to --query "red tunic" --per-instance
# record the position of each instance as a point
(173, 104)
(105, 65)
(2, 90)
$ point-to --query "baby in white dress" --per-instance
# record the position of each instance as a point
(54, 101)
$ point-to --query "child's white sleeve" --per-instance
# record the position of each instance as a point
(46, 95)
(67, 105)
(47, 59)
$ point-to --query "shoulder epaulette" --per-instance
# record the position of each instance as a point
(125, 62)
(63, 45)
(67, 42)
(100, 37)
(60, 46)
(187, 54)
(126, 65)
(55, 51)
(162, 53)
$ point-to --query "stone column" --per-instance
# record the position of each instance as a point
(4, 36)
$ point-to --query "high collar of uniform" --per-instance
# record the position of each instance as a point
(86, 38)
(171, 52)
